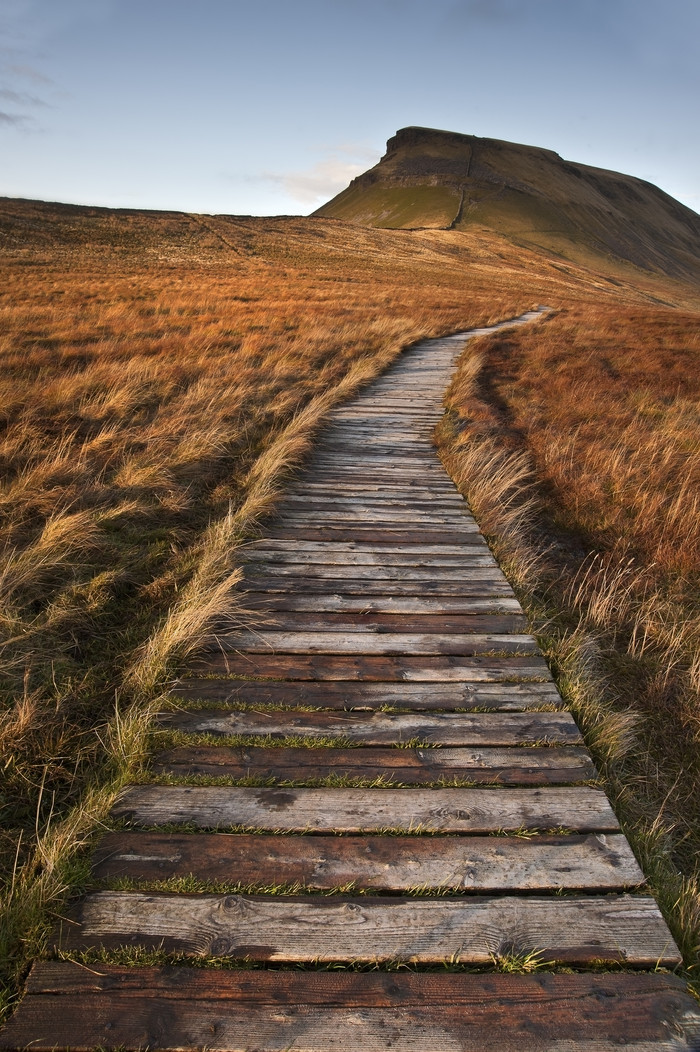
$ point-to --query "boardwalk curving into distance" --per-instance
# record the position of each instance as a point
(378, 772)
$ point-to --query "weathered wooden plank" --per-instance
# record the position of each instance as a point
(453, 810)
(264, 640)
(273, 1011)
(443, 669)
(387, 728)
(592, 862)
(462, 624)
(328, 557)
(265, 602)
(342, 475)
(418, 572)
(365, 447)
(416, 462)
(363, 575)
(473, 545)
(417, 587)
(334, 695)
(331, 486)
(408, 516)
(341, 499)
(373, 534)
(425, 472)
(500, 766)
(574, 931)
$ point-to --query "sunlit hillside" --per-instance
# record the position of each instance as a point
(442, 180)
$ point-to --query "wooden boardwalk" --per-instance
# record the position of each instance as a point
(375, 802)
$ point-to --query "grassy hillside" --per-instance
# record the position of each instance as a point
(161, 374)
(441, 179)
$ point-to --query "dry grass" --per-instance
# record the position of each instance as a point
(579, 438)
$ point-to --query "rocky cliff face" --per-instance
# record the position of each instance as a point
(439, 179)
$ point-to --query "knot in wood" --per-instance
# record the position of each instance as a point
(233, 904)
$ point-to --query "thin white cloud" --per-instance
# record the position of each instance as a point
(327, 177)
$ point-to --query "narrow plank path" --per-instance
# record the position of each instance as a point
(371, 804)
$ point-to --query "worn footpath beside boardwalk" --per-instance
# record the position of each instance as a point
(375, 800)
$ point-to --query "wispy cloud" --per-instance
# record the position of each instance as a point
(12, 119)
(325, 178)
(29, 73)
(20, 98)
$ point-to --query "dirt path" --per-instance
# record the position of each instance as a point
(378, 776)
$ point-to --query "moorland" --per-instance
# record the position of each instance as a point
(164, 373)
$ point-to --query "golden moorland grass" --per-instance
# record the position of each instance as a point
(581, 440)
(161, 376)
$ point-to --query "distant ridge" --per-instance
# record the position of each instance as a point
(440, 179)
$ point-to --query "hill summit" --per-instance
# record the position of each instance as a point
(445, 180)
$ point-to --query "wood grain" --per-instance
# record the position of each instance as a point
(403, 668)
(334, 695)
(382, 728)
(367, 621)
(570, 930)
(176, 1008)
(512, 766)
(595, 862)
(582, 810)
(265, 640)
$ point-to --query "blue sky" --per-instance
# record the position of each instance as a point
(271, 106)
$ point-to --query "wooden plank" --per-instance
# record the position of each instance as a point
(329, 557)
(342, 475)
(387, 728)
(409, 572)
(351, 586)
(409, 515)
(592, 862)
(175, 1008)
(416, 462)
(419, 697)
(331, 486)
(424, 471)
(473, 545)
(580, 809)
(500, 766)
(443, 669)
(264, 640)
(264, 602)
(574, 931)
(374, 535)
(311, 620)
(341, 499)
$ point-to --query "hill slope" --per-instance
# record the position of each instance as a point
(439, 179)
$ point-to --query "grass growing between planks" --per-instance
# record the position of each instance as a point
(579, 440)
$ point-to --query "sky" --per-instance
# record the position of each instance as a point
(268, 107)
